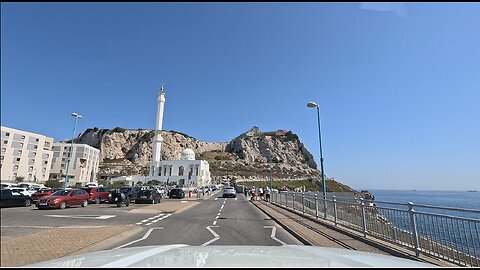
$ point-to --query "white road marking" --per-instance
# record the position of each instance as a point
(129, 260)
(235, 198)
(272, 235)
(83, 216)
(216, 199)
(154, 221)
(215, 222)
(214, 234)
(222, 206)
(143, 238)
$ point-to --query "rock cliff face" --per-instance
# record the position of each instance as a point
(124, 152)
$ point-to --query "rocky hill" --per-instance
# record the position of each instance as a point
(125, 152)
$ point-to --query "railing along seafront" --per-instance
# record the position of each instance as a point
(452, 234)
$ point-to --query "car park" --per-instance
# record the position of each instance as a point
(176, 193)
(229, 192)
(148, 196)
(10, 197)
(97, 194)
(64, 198)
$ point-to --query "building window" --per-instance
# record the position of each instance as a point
(196, 171)
(23, 137)
(3, 150)
(7, 134)
(15, 167)
(165, 170)
(1, 157)
(5, 142)
(170, 173)
(47, 144)
(180, 170)
(45, 162)
(21, 144)
(34, 154)
(36, 139)
(18, 159)
(19, 152)
(35, 146)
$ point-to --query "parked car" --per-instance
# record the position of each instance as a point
(22, 190)
(14, 198)
(148, 196)
(229, 192)
(97, 194)
(42, 193)
(176, 193)
(130, 191)
(64, 198)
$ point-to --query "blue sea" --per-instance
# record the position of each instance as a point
(456, 199)
(456, 232)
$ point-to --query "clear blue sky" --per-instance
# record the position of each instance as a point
(398, 84)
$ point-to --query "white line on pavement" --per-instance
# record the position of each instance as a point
(272, 235)
(143, 238)
(215, 222)
(214, 234)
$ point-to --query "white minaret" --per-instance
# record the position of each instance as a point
(157, 139)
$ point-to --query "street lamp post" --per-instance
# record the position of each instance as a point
(71, 148)
(324, 191)
(270, 163)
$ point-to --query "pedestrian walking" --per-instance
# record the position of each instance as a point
(260, 192)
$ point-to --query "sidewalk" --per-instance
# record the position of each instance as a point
(59, 242)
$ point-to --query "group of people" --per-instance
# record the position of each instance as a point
(259, 193)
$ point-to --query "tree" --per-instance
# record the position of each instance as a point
(19, 179)
(53, 184)
(153, 182)
(102, 182)
(117, 184)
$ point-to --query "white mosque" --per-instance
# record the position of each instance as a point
(185, 172)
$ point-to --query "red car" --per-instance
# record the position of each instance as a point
(42, 193)
(97, 194)
(63, 198)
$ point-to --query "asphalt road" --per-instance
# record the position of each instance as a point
(214, 221)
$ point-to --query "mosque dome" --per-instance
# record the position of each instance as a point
(187, 154)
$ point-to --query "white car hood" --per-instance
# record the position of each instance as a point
(230, 256)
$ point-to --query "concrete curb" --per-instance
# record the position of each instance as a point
(288, 229)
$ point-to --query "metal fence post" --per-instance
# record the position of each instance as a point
(316, 206)
(335, 209)
(303, 203)
(293, 200)
(414, 228)
(364, 223)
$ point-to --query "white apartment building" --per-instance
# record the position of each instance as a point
(83, 165)
(25, 154)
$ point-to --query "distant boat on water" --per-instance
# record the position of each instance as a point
(472, 190)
